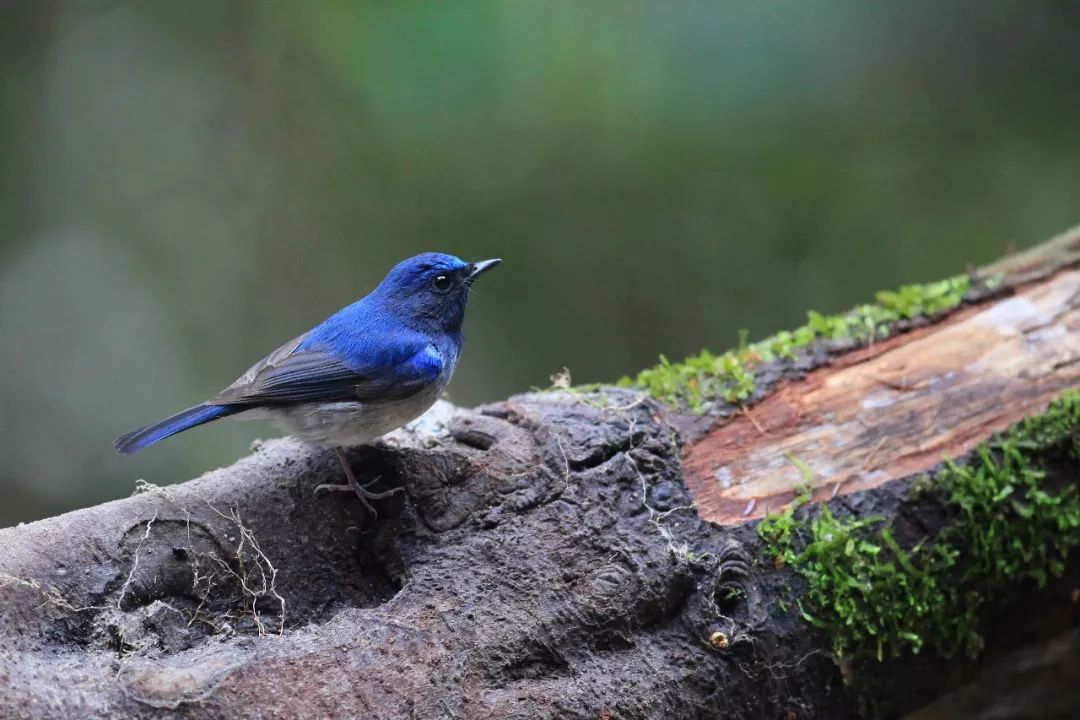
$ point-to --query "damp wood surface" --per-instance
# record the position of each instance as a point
(546, 558)
(895, 408)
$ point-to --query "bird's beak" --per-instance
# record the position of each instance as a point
(479, 268)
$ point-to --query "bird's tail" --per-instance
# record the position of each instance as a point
(144, 437)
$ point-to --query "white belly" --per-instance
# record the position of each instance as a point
(343, 424)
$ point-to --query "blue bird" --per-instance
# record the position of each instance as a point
(366, 370)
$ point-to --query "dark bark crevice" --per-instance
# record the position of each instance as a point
(546, 559)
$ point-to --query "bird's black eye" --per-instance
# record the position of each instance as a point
(442, 283)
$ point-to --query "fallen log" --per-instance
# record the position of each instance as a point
(867, 515)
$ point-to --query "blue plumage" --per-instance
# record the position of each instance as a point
(366, 370)
(184, 420)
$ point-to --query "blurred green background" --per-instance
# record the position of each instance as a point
(184, 186)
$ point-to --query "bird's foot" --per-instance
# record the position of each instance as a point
(361, 491)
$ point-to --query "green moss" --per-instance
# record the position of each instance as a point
(877, 599)
(703, 378)
(697, 380)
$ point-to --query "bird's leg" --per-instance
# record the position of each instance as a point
(361, 491)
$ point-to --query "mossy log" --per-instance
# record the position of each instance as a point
(599, 553)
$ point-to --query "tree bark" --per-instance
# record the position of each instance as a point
(561, 554)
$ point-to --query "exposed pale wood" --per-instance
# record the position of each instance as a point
(1037, 262)
(543, 561)
(894, 409)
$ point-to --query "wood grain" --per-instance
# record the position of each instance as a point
(894, 409)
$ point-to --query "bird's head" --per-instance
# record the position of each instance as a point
(430, 290)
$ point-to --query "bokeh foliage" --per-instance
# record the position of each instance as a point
(183, 186)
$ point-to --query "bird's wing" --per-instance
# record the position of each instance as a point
(391, 369)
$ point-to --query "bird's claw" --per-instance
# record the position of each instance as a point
(361, 491)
